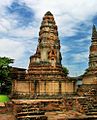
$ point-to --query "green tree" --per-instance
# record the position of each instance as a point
(66, 71)
(5, 75)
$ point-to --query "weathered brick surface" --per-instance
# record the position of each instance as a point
(7, 117)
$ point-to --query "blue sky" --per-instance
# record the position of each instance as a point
(19, 27)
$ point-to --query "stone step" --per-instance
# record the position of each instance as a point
(30, 113)
(31, 109)
(23, 107)
(93, 110)
(91, 113)
(33, 117)
(28, 110)
(95, 105)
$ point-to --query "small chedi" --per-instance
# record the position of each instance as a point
(89, 82)
(45, 75)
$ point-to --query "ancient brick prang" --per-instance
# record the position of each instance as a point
(45, 75)
(45, 70)
(48, 49)
(90, 76)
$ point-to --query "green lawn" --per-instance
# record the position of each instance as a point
(4, 98)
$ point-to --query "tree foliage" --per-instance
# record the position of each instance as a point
(66, 71)
(5, 75)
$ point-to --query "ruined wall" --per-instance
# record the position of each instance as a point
(91, 79)
(21, 86)
(55, 88)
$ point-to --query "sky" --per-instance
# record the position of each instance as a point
(20, 22)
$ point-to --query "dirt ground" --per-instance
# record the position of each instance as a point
(6, 117)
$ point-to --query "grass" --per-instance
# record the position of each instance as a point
(4, 98)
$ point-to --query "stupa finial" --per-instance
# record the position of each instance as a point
(94, 32)
(48, 13)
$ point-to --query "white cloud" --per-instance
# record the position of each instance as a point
(67, 18)
(5, 25)
(28, 32)
(4, 3)
(12, 49)
(87, 38)
(75, 70)
(30, 45)
(67, 13)
(80, 57)
(64, 49)
(70, 14)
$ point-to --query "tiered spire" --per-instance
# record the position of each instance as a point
(48, 31)
(48, 13)
(94, 32)
(92, 69)
(90, 76)
(45, 69)
(93, 50)
(48, 49)
(45, 74)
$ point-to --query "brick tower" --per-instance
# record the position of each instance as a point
(45, 71)
(48, 49)
(90, 76)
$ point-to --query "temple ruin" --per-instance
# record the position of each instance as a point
(89, 79)
(44, 90)
(45, 75)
